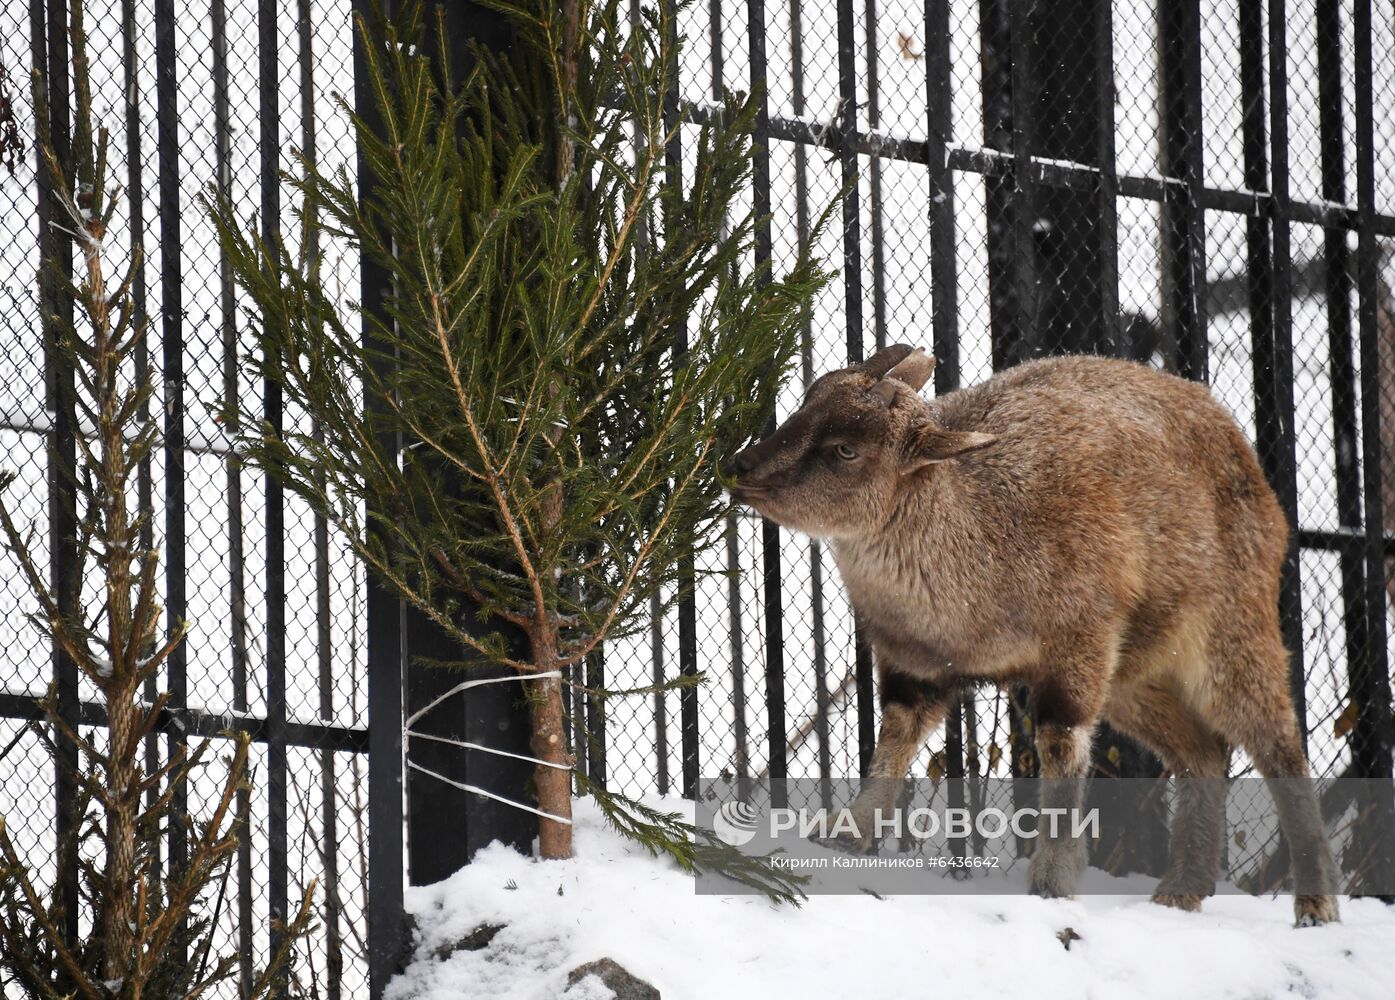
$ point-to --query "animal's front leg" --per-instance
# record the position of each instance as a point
(1059, 856)
(1068, 705)
(910, 710)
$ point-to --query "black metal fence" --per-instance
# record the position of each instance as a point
(1192, 184)
(196, 95)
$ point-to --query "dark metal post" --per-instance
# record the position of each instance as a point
(1341, 349)
(49, 40)
(1000, 198)
(944, 279)
(1371, 749)
(446, 825)
(278, 830)
(1071, 114)
(1107, 194)
(874, 175)
(135, 201)
(852, 316)
(387, 938)
(1184, 225)
(656, 652)
(822, 700)
(329, 811)
(172, 344)
(1025, 278)
(1271, 332)
(687, 572)
(741, 757)
(237, 586)
(770, 532)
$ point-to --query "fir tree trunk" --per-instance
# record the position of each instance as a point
(120, 841)
(112, 472)
(554, 783)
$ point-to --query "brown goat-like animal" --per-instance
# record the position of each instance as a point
(1097, 530)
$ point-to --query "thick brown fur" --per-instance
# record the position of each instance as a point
(1095, 529)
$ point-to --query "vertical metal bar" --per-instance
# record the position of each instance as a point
(770, 532)
(1184, 222)
(656, 655)
(1271, 335)
(1000, 200)
(944, 286)
(852, 313)
(656, 624)
(49, 46)
(329, 812)
(1024, 190)
(1341, 351)
(172, 353)
(135, 206)
(1372, 734)
(741, 754)
(1371, 750)
(386, 935)
(1259, 276)
(237, 586)
(874, 178)
(954, 764)
(1020, 307)
(742, 757)
(944, 279)
(717, 57)
(1107, 194)
(573, 723)
(687, 605)
(823, 702)
(847, 157)
(278, 858)
(595, 716)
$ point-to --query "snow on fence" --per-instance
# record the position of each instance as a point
(1196, 184)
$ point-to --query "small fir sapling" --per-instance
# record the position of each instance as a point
(150, 927)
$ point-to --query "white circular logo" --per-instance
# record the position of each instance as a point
(735, 823)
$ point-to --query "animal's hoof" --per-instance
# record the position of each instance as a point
(1189, 901)
(846, 845)
(1314, 911)
(1054, 873)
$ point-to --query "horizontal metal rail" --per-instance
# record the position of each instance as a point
(196, 722)
(1055, 173)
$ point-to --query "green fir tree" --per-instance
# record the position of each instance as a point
(571, 338)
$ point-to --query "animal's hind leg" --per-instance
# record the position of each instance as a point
(1259, 715)
(1154, 714)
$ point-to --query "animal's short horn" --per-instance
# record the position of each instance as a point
(884, 360)
(914, 369)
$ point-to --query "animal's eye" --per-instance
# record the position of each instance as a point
(844, 452)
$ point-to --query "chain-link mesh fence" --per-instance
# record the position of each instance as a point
(213, 95)
(1195, 185)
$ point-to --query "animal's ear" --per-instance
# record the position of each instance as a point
(932, 443)
(883, 361)
(914, 369)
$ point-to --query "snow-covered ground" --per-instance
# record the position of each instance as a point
(613, 901)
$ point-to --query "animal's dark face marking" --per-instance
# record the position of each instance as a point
(831, 469)
(835, 467)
